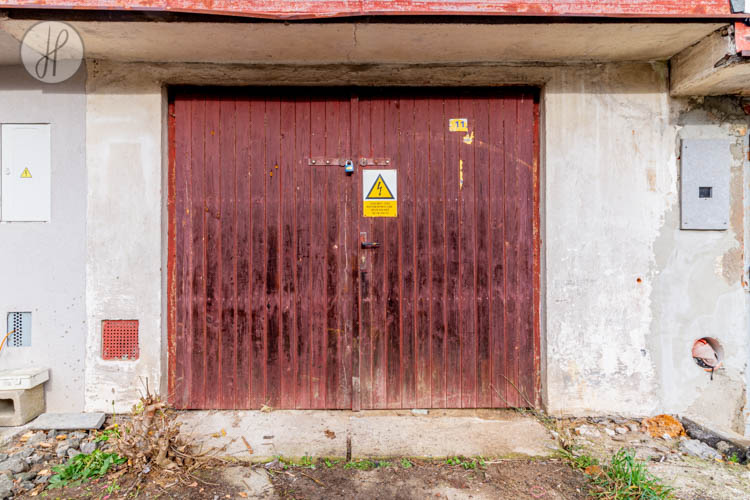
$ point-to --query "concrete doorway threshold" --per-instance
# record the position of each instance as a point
(377, 433)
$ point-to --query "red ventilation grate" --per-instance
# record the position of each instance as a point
(120, 339)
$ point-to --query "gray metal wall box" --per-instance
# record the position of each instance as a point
(704, 196)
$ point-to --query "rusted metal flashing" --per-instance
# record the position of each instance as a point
(311, 9)
(742, 38)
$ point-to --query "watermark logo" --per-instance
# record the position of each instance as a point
(52, 51)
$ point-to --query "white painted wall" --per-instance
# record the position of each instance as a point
(123, 237)
(613, 344)
(42, 264)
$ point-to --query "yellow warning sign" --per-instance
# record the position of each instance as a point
(26, 174)
(379, 193)
(379, 190)
(458, 125)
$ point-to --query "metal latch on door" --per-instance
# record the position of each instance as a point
(349, 164)
(340, 162)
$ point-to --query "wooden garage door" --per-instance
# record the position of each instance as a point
(283, 293)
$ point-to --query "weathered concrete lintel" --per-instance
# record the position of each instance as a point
(440, 433)
(710, 67)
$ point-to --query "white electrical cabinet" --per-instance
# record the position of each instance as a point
(26, 172)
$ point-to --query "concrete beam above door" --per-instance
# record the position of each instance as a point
(381, 43)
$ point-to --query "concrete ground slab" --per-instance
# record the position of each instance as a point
(68, 421)
(255, 483)
(440, 433)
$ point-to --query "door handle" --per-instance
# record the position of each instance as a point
(370, 244)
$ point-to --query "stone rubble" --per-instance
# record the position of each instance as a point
(699, 449)
(28, 463)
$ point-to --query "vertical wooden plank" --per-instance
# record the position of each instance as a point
(333, 178)
(466, 282)
(227, 231)
(378, 278)
(183, 251)
(213, 175)
(353, 268)
(525, 152)
(455, 307)
(243, 353)
(407, 219)
(537, 258)
(317, 254)
(273, 252)
(171, 284)
(197, 341)
(423, 339)
(345, 292)
(258, 172)
(496, 196)
(288, 163)
(438, 126)
(366, 279)
(303, 256)
(512, 233)
(392, 258)
(481, 148)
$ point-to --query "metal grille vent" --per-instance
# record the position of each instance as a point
(20, 324)
(120, 339)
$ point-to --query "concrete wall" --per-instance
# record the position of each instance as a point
(124, 236)
(626, 292)
(42, 264)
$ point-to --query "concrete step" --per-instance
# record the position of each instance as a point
(318, 433)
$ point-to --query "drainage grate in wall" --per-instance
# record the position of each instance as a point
(120, 339)
(20, 324)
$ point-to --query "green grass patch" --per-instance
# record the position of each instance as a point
(624, 478)
(83, 467)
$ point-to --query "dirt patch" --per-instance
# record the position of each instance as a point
(202, 485)
(507, 479)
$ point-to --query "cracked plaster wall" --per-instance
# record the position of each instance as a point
(626, 292)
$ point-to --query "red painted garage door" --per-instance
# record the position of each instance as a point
(284, 293)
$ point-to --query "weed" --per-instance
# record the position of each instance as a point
(577, 461)
(626, 478)
(83, 467)
(406, 463)
(107, 434)
(466, 463)
(330, 463)
(113, 487)
(306, 462)
(734, 458)
(365, 464)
